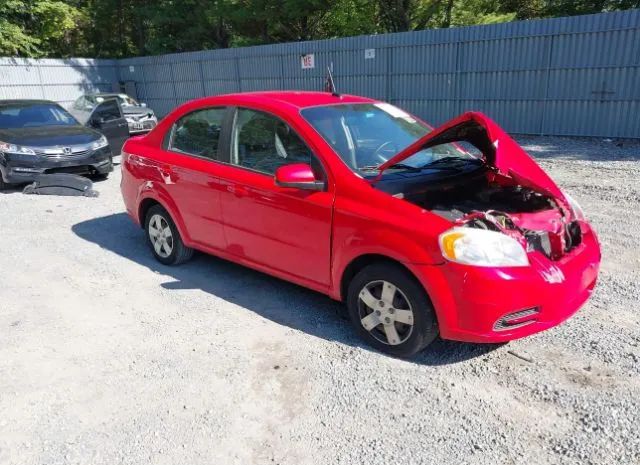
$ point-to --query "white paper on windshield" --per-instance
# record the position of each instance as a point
(395, 111)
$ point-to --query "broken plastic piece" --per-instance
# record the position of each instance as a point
(63, 184)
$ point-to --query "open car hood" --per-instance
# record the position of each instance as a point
(500, 151)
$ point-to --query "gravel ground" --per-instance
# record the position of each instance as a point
(107, 357)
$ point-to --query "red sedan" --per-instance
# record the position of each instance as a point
(453, 231)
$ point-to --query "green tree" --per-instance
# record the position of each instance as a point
(409, 15)
(121, 28)
(37, 27)
(351, 18)
(471, 12)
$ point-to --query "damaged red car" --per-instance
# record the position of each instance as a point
(453, 231)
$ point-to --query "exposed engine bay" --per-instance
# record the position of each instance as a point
(486, 193)
(473, 200)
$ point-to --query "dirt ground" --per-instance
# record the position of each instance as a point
(107, 357)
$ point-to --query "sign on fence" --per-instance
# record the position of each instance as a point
(308, 61)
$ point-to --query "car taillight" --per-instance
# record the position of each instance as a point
(124, 158)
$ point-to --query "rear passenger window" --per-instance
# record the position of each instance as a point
(198, 133)
(263, 143)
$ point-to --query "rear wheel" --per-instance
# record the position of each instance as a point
(164, 239)
(390, 310)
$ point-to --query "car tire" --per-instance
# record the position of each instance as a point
(390, 310)
(164, 239)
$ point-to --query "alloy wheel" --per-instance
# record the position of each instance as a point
(385, 312)
(161, 236)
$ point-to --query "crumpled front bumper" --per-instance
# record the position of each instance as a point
(23, 169)
(472, 302)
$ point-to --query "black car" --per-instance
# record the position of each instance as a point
(140, 118)
(39, 136)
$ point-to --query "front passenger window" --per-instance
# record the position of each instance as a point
(198, 133)
(109, 110)
(263, 143)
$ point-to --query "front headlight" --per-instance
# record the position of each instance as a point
(15, 149)
(100, 143)
(576, 209)
(481, 247)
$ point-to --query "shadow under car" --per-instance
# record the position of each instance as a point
(279, 301)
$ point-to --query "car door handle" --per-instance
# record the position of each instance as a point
(121, 125)
(238, 191)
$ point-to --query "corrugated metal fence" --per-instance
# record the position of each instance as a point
(564, 76)
(59, 80)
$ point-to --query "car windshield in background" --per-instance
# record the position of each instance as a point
(123, 99)
(368, 134)
(25, 115)
(126, 101)
(89, 102)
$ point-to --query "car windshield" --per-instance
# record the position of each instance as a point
(368, 134)
(25, 115)
(91, 101)
(126, 101)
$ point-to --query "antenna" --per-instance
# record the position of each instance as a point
(329, 84)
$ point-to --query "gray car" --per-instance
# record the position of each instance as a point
(140, 118)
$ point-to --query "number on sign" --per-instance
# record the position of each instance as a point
(308, 61)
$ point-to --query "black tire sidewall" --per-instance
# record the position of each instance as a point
(425, 328)
(177, 240)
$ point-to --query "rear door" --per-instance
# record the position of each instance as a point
(190, 173)
(108, 118)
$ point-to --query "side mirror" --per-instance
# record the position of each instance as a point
(298, 176)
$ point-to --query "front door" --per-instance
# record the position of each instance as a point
(108, 118)
(284, 229)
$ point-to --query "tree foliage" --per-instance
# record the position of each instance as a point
(119, 28)
(37, 27)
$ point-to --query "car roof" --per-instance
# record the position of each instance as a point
(103, 94)
(26, 101)
(294, 98)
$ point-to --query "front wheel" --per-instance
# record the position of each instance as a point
(164, 239)
(390, 310)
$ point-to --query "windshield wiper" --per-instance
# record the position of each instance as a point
(442, 164)
(452, 162)
(395, 165)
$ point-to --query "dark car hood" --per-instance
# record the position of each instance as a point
(47, 136)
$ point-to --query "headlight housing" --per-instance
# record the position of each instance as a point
(576, 209)
(15, 149)
(480, 247)
(100, 143)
